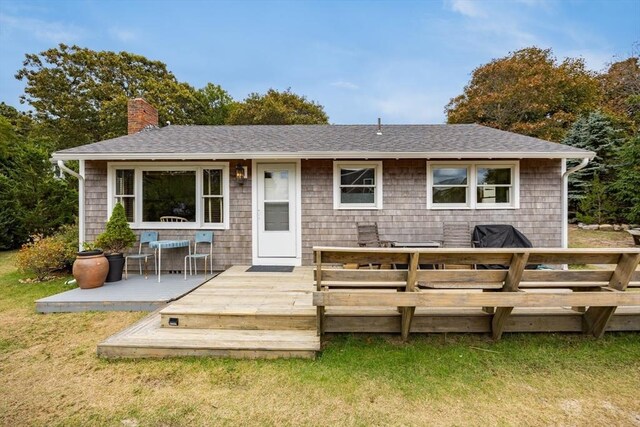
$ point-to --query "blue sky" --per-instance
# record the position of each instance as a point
(398, 60)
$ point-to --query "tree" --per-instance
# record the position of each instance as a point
(593, 132)
(527, 92)
(217, 105)
(22, 122)
(277, 108)
(621, 91)
(596, 207)
(32, 200)
(626, 187)
(80, 95)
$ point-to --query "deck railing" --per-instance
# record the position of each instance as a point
(593, 291)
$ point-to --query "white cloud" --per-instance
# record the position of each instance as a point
(122, 34)
(342, 84)
(54, 32)
(469, 8)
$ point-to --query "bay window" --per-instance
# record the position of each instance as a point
(194, 194)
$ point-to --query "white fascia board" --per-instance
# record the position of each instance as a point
(323, 155)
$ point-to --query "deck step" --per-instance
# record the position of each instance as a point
(255, 309)
(238, 321)
(148, 339)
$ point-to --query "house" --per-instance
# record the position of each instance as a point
(270, 193)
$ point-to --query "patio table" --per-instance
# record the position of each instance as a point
(168, 244)
(415, 245)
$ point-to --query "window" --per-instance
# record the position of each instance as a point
(494, 185)
(168, 193)
(357, 185)
(213, 196)
(148, 191)
(124, 191)
(451, 185)
(473, 185)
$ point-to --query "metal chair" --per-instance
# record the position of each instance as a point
(145, 238)
(201, 237)
(172, 219)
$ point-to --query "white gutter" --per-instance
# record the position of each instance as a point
(80, 177)
(319, 155)
(565, 196)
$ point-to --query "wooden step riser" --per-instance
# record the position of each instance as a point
(241, 322)
(115, 352)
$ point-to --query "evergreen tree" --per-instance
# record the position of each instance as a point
(594, 132)
(596, 207)
(626, 187)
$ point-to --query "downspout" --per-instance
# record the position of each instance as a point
(565, 196)
(80, 177)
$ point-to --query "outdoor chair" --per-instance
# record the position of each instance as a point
(201, 237)
(145, 238)
(172, 219)
(369, 237)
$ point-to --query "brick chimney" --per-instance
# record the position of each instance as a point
(140, 114)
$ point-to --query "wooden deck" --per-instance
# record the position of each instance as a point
(270, 315)
(237, 314)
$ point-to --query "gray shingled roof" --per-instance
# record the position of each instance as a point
(464, 140)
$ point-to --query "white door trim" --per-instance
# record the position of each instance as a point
(255, 259)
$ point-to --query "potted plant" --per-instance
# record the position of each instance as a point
(116, 239)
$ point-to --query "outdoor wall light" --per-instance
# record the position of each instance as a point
(241, 174)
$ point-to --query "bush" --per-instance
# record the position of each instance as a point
(118, 236)
(42, 256)
(45, 255)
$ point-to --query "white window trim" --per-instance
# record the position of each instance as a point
(472, 179)
(197, 167)
(377, 166)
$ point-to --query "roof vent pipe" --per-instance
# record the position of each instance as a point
(379, 132)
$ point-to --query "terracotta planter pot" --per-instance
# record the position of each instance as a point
(90, 269)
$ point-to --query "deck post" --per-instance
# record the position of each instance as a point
(596, 319)
(320, 309)
(407, 312)
(511, 283)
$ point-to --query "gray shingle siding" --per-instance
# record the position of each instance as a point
(404, 216)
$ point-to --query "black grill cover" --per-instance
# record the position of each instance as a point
(499, 236)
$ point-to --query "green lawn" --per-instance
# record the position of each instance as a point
(49, 375)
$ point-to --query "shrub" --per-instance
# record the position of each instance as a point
(68, 234)
(42, 256)
(118, 235)
(45, 255)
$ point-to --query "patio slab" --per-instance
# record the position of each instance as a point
(134, 294)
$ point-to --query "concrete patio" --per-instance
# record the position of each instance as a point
(134, 294)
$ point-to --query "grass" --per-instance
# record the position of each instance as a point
(49, 375)
(597, 238)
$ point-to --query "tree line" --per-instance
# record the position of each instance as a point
(532, 93)
(77, 96)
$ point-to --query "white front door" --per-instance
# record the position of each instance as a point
(276, 213)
